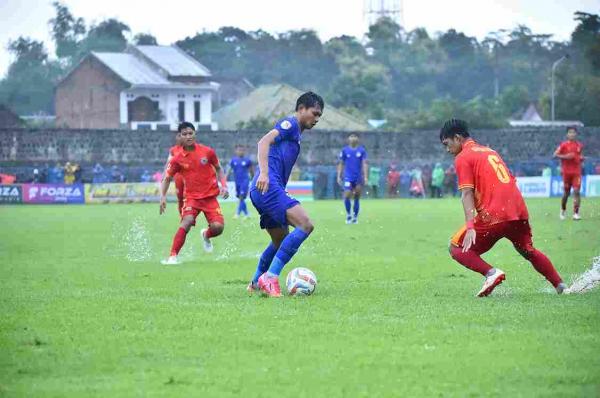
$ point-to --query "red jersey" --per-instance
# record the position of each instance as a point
(197, 168)
(175, 149)
(497, 197)
(571, 166)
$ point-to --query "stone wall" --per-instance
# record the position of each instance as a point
(21, 146)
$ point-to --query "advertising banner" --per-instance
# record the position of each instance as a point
(126, 192)
(150, 192)
(11, 194)
(534, 187)
(53, 193)
(592, 185)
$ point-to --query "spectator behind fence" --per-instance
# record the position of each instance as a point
(437, 181)
(405, 179)
(393, 181)
(116, 175)
(416, 184)
(597, 168)
(157, 176)
(373, 180)
(36, 178)
(547, 171)
(69, 175)
(426, 178)
(146, 176)
(56, 174)
(99, 176)
(450, 183)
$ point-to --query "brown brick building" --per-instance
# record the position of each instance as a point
(144, 87)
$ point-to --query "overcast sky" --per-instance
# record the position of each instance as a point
(175, 19)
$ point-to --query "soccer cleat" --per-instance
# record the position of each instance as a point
(563, 215)
(269, 286)
(355, 220)
(560, 288)
(491, 282)
(348, 219)
(208, 246)
(576, 216)
(252, 288)
(172, 260)
(236, 216)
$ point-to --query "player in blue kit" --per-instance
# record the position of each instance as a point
(243, 170)
(353, 164)
(277, 154)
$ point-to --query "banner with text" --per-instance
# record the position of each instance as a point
(126, 192)
(53, 193)
(11, 194)
(150, 192)
(545, 187)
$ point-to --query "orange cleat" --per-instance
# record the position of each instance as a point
(269, 286)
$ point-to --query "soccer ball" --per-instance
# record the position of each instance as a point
(301, 282)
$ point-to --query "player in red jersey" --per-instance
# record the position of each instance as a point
(179, 185)
(494, 209)
(570, 153)
(200, 168)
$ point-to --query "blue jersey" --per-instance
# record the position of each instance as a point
(353, 159)
(283, 153)
(241, 169)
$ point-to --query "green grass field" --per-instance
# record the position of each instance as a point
(87, 310)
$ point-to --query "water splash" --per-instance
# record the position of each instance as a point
(588, 280)
(137, 241)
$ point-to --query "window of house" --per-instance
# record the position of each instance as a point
(181, 110)
(196, 111)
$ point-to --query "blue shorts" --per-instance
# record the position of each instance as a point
(241, 189)
(272, 206)
(350, 185)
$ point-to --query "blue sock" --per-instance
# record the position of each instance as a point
(347, 204)
(356, 206)
(239, 208)
(265, 260)
(289, 247)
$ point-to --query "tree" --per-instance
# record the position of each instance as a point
(107, 36)
(67, 31)
(29, 84)
(145, 39)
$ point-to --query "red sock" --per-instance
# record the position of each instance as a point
(543, 265)
(178, 241)
(470, 259)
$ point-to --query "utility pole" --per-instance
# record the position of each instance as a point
(554, 66)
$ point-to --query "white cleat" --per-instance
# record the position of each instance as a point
(562, 288)
(563, 215)
(172, 260)
(576, 216)
(348, 220)
(354, 220)
(208, 246)
(491, 282)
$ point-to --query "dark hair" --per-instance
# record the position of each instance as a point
(310, 100)
(453, 127)
(353, 134)
(572, 128)
(185, 125)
